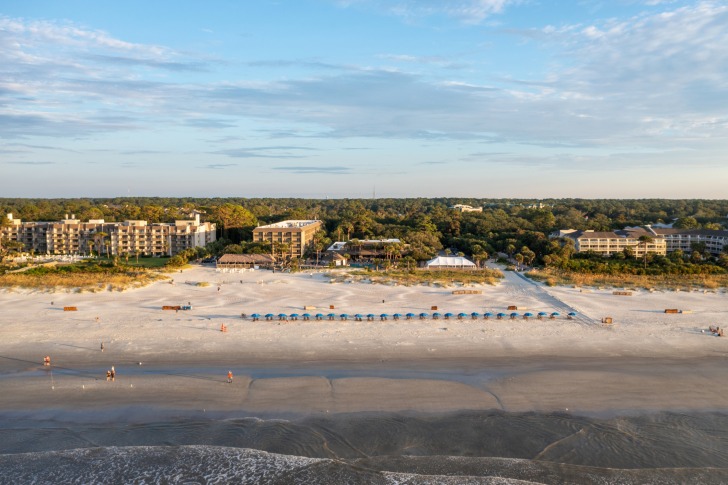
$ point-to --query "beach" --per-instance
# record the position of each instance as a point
(172, 365)
(665, 360)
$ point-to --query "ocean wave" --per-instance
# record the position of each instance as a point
(193, 464)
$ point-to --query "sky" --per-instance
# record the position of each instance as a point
(364, 98)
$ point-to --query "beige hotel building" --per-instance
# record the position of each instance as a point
(73, 237)
(297, 234)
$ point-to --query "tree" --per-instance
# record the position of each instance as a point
(686, 223)
(232, 216)
(645, 240)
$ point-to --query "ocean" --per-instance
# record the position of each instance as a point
(134, 446)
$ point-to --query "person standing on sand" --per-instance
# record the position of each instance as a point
(230, 377)
(113, 373)
(102, 346)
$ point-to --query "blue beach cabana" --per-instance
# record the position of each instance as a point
(514, 315)
(383, 316)
(554, 315)
(307, 316)
(397, 316)
(294, 316)
(269, 316)
(344, 316)
(423, 316)
(410, 316)
(319, 316)
(358, 317)
(255, 316)
(370, 316)
(436, 316)
(541, 315)
(571, 315)
(331, 316)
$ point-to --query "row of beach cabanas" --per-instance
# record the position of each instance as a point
(407, 316)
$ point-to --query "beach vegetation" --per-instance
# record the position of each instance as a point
(89, 275)
(421, 276)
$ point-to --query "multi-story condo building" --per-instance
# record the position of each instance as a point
(683, 239)
(71, 236)
(608, 243)
(664, 240)
(296, 234)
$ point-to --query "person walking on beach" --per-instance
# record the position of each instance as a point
(113, 373)
(102, 346)
(230, 377)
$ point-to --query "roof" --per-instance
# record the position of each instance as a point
(293, 224)
(450, 261)
(245, 259)
(691, 232)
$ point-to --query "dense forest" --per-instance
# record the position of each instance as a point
(516, 227)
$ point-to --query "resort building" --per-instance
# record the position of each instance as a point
(683, 239)
(365, 249)
(611, 242)
(664, 240)
(71, 236)
(466, 208)
(244, 261)
(296, 235)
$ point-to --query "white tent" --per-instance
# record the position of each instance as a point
(450, 262)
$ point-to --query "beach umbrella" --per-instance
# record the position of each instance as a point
(331, 316)
(410, 316)
(370, 316)
(357, 317)
(306, 316)
(448, 315)
(436, 315)
(319, 316)
(475, 315)
(255, 316)
(556, 314)
(384, 316)
(514, 315)
(294, 316)
(423, 316)
(500, 315)
(282, 316)
(397, 316)
(344, 316)
(462, 315)
(571, 315)
(542, 314)
(268, 316)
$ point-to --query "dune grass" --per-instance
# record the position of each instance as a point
(84, 276)
(418, 277)
(553, 277)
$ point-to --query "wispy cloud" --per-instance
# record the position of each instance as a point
(315, 170)
(468, 11)
(30, 163)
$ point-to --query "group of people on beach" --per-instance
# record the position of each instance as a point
(717, 331)
(111, 374)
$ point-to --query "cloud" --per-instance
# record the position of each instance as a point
(31, 163)
(219, 166)
(467, 11)
(315, 170)
(264, 152)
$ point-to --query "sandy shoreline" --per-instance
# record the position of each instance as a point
(647, 360)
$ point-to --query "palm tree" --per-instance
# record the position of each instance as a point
(91, 248)
(645, 240)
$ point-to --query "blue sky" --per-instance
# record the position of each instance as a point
(339, 98)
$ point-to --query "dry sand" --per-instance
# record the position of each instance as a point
(645, 360)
